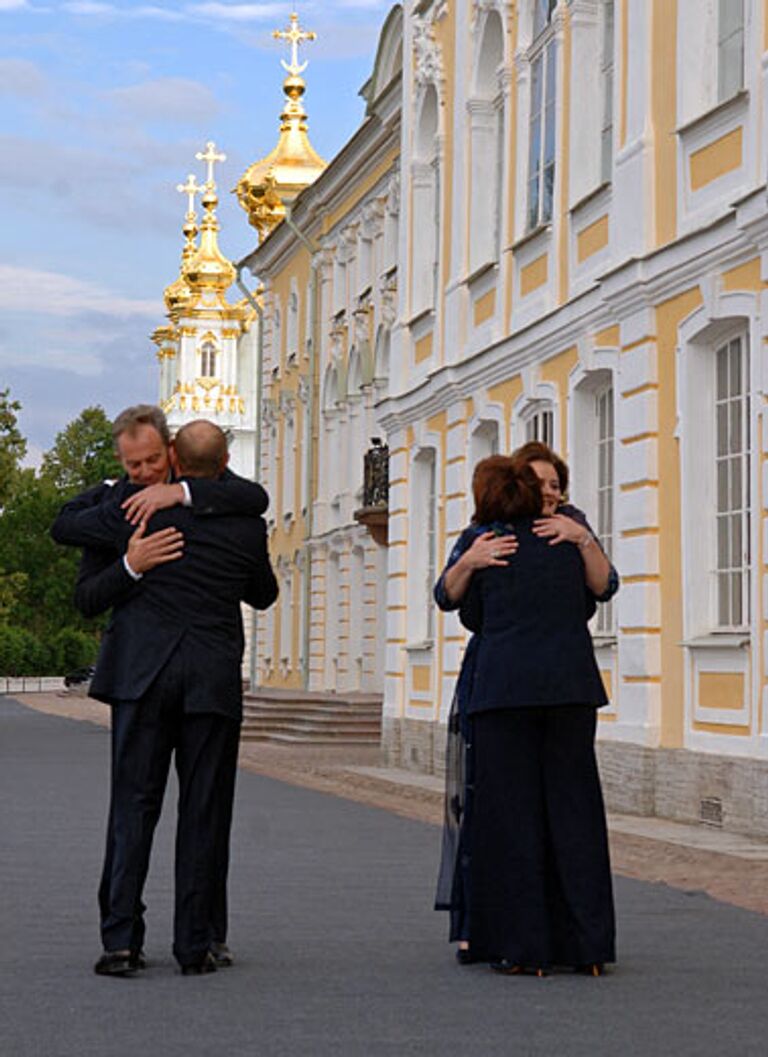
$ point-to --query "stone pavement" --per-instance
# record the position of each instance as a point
(338, 950)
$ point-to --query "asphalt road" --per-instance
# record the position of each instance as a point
(338, 951)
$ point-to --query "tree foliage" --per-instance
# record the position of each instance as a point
(41, 632)
(82, 454)
(13, 447)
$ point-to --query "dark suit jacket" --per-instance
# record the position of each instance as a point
(533, 644)
(191, 605)
(102, 580)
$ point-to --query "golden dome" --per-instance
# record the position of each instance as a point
(208, 268)
(178, 295)
(268, 185)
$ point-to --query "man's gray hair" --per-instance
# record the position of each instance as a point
(129, 420)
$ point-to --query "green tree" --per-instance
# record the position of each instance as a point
(13, 447)
(44, 604)
(82, 454)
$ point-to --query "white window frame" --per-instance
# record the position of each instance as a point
(422, 549)
(538, 422)
(732, 467)
(209, 354)
(731, 27)
(542, 119)
(605, 473)
(608, 40)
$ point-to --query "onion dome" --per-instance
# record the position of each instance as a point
(269, 185)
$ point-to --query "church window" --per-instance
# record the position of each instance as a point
(541, 144)
(732, 467)
(604, 421)
(730, 48)
(540, 424)
(208, 360)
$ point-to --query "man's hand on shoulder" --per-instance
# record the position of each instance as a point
(142, 505)
(145, 552)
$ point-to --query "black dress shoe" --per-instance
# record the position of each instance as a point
(222, 955)
(116, 963)
(207, 965)
(464, 956)
(138, 960)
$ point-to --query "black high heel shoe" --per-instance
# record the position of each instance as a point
(591, 969)
(508, 968)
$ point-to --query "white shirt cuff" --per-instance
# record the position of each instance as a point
(129, 570)
(187, 501)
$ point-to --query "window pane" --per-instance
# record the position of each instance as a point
(737, 599)
(731, 17)
(536, 84)
(722, 373)
(722, 485)
(736, 555)
(730, 72)
(549, 193)
(737, 496)
(722, 429)
(533, 203)
(723, 600)
(735, 427)
(735, 367)
(723, 547)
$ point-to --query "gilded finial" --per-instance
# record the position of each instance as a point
(295, 36)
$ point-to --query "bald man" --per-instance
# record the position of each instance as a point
(170, 660)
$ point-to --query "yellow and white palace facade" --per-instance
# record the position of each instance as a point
(552, 222)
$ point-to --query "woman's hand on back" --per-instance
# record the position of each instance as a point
(489, 549)
(561, 529)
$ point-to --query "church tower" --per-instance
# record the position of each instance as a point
(206, 352)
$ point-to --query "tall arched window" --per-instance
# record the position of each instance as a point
(541, 141)
(208, 360)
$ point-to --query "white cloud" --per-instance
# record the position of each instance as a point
(21, 77)
(13, 5)
(102, 10)
(177, 99)
(240, 12)
(54, 294)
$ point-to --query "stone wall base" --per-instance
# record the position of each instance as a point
(692, 787)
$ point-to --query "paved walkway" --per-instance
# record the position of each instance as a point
(338, 950)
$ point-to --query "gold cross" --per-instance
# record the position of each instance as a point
(294, 36)
(210, 157)
(190, 189)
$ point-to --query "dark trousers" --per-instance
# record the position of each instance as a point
(540, 884)
(145, 735)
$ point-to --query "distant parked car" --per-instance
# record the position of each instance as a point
(79, 676)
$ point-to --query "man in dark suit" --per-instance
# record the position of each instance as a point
(170, 666)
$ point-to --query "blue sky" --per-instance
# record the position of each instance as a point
(102, 108)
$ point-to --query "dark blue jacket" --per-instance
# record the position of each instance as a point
(533, 646)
